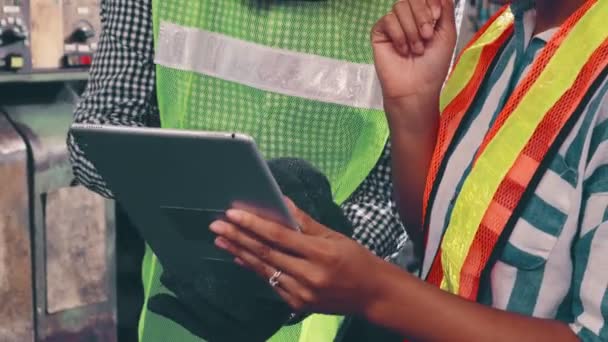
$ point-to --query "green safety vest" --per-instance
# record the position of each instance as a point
(296, 76)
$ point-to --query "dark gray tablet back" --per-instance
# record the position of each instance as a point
(173, 184)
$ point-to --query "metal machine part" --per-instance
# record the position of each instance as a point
(72, 230)
(57, 241)
(14, 36)
(82, 27)
(16, 311)
(64, 33)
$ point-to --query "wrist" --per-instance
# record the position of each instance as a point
(388, 280)
(415, 113)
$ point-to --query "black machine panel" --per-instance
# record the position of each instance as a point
(42, 36)
(81, 27)
(14, 36)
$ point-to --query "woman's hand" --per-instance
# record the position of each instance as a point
(413, 47)
(325, 272)
(322, 271)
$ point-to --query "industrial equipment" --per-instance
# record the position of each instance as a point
(17, 309)
(67, 280)
(14, 37)
(81, 31)
(57, 241)
(64, 33)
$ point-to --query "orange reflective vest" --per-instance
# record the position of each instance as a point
(536, 118)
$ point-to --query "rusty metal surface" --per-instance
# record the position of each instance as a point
(76, 267)
(46, 129)
(16, 309)
(89, 324)
(73, 234)
(93, 322)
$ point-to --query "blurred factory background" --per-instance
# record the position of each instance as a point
(69, 259)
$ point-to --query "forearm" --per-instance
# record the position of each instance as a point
(413, 125)
(121, 85)
(422, 312)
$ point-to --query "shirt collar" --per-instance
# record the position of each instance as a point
(525, 17)
(519, 7)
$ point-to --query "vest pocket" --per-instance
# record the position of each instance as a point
(534, 236)
(542, 219)
(526, 259)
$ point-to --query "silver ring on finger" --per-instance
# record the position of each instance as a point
(274, 279)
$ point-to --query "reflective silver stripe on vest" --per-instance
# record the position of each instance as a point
(276, 70)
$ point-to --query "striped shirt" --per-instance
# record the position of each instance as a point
(553, 264)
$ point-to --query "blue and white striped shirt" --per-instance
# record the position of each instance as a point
(553, 264)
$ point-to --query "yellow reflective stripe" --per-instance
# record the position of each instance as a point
(320, 328)
(469, 60)
(463, 73)
(492, 166)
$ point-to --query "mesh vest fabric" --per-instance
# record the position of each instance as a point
(511, 154)
(342, 141)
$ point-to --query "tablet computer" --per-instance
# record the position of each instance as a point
(174, 183)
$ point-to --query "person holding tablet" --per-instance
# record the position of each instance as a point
(509, 185)
(297, 76)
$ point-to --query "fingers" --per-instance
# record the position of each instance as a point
(423, 17)
(287, 287)
(269, 231)
(436, 8)
(409, 25)
(388, 29)
(254, 251)
(404, 14)
(293, 302)
(240, 244)
(259, 265)
(276, 234)
(448, 17)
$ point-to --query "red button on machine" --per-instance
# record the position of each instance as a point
(85, 60)
(76, 60)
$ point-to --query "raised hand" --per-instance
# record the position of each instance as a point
(413, 46)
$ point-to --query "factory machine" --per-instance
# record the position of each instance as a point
(46, 36)
(57, 239)
(15, 41)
